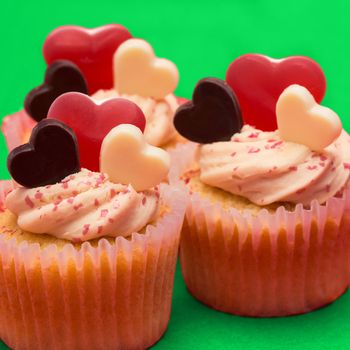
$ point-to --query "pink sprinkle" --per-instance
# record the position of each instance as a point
(113, 192)
(293, 168)
(99, 229)
(346, 166)
(29, 202)
(144, 200)
(322, 164)
(254, 150)
(311, 167)
(110, 220)
(69, 178)
(78, 206)
(59, 200)
(86, 228)
(70, 200)
(96, 203)
(271, 140)
(328, 188)
(100, 180)
(235, 168)
(276, 144)
(38, 195)
(55, 207)
(323, 157)
(104, 213)
(65, 185)
(125, 191)
(233, 154)
(253, 135)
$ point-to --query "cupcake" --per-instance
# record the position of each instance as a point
(267, 230)
(87, 258)
(93, 64)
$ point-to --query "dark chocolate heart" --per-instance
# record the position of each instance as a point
(50, 155)
(212, 115)
(60, 77)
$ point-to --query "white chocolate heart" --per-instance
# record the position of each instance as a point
(302, 120)
(126, 158)
(138, 72)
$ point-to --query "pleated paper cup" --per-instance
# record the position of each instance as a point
(264, 265)
(112, 295)
(17, 128)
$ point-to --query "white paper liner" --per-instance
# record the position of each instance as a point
(271, 264)
(113, 296)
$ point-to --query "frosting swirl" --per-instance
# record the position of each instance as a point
(83, 206)
(159, 114)
(265, 169)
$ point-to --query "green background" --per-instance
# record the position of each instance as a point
(202, 38)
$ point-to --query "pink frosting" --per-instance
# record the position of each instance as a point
(265, 169)
(83, 206)
(159, 114)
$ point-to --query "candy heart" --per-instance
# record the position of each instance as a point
(138, 72)
(50, 155)
(212, 115)
(91, 122)
(126, 158)
(60, 77)
(300, 119)
(259, 80)
(90, 49)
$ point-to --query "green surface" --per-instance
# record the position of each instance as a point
(202, 39)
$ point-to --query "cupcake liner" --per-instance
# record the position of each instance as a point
(17, 128)
(104, 296)
(271, 264)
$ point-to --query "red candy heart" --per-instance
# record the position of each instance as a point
(259, 80)
(91, 50)
(91, 122)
